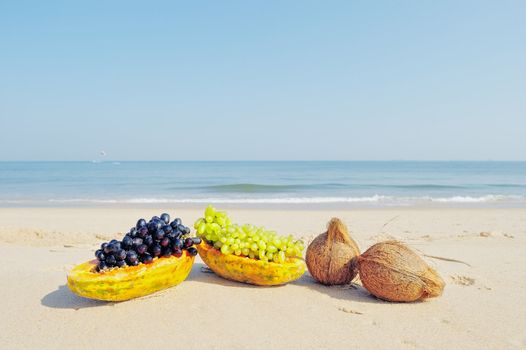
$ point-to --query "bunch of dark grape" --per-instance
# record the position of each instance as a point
(146, 241)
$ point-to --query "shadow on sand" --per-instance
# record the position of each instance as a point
(63, 298)
(351, 292)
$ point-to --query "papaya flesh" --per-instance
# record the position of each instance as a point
(251, 271)
(129, 282)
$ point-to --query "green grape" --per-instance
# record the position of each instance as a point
(210, 211)
(270, 255)
(235, 246)
(275, 258)
(254, 247)
(221, 221)
(237, 251)
(218, 244)
(225, 249)
(262, 244)
(281, 257)
(251, 255)
(245, 251)
(198, 222)
(201, 228)
(272, 248)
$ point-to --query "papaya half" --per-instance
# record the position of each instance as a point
(129, 282)
(251, 271)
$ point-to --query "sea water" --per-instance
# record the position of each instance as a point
(346, 183)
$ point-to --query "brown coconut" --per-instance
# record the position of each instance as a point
(392, 271)
(330, 256)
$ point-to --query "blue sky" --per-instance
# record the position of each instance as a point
(224, 80)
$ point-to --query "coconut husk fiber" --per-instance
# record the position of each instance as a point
(392, 271)
(330, 256)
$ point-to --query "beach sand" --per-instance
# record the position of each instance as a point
(483, 305)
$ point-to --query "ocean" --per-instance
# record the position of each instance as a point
(268, 183)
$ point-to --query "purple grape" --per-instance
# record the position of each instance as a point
(166, 252)
(177, 252)
(99, 254)
(187, 230)
(146, 258)
(158, 235)
(111, 261)
(167, 229)
(155, 250)
(155, 218)
(135, 263)
(188, 242)
(178, 243)
(101, 266)
(165, 242)
(131, 257)
(142, 249)
(127, 242)
(141, 223)
(175, 223)
(120, 263)
(148, 240)
(137, 241)
(143, 231)
(110, 249)
(154, 226)
(120, 254)
(103, 246)
(116, 244)
(181, 228)
(133, 232)
(165, 218)
(196, 240)
(192, 251)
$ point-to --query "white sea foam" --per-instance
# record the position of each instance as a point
(379, 199)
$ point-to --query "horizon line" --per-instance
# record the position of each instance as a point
(260, 160)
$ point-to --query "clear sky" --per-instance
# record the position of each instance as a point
(221, 80)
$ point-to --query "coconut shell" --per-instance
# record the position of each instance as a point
(330, 256)
(392, 271)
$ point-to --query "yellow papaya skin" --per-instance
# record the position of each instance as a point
(129, 282)
(251, 271)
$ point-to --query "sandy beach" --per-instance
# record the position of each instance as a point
(482, 306)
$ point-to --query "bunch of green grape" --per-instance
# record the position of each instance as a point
(246, 240)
